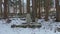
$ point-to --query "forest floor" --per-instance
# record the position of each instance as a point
(48, 27)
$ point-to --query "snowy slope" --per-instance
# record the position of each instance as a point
(47, 27)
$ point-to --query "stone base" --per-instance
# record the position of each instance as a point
(36, 25)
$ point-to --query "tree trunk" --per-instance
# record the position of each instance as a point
(47, 7)
(57, 10)
(20, 7)
(33, 10)
(23, 7)
(39, 5)
(36, 4)
(1, 8)
(28, 6)
(5, 9)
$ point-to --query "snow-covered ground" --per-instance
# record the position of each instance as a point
(48, 27)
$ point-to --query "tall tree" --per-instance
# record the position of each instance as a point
(23, 6)
(33, 10)
(5, 9)
(57, 10)
(20, 7)
(47, 8)
(28, 6)
(36, 4)
(1, 7)
(39, 6)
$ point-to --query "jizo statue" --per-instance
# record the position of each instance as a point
(28, 18)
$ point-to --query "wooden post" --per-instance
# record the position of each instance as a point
(47, 8)
(57, 10)
(5, 9)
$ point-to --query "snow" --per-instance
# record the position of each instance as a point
(48, 27)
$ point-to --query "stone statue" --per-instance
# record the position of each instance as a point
(28, 18)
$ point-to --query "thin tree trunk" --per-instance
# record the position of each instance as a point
(5, 9)
(8, 8)
(20, 7)
(57, 10)
(39, 6)
(36, 8)
(16, 10)
(33, 7)
(47, 7)
(33, 10)
(23, 6)
(1, 8)
(28, 6)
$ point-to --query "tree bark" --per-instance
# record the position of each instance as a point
(33, 10)
(20, 7)
(36, 4)
(5, 9)
(28, 6)
(39, 6)
(47, 8)
(57, 10)
(1, 8)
